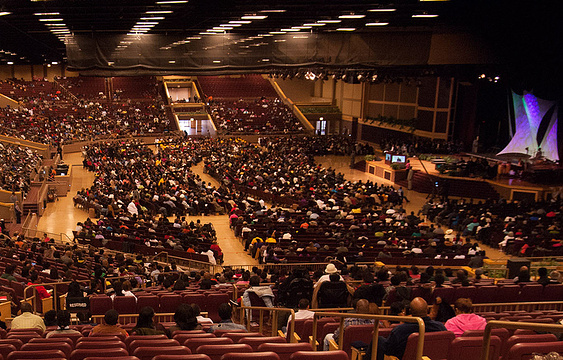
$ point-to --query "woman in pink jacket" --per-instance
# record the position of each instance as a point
(465, 319)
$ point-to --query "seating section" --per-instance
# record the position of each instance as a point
(236, 87)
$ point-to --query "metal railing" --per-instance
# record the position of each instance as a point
(514, 306)
(513, 325)
(243, 319)
(33, 299)
(163, 256)
(375, 338)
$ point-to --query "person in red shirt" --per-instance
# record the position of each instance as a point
(42, 293)
(217, 252)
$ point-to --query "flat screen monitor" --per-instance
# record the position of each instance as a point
(398, 159)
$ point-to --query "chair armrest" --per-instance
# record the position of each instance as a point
(332, 345)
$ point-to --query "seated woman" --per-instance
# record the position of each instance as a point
(145, 324)
(63, 324)
(185, 318)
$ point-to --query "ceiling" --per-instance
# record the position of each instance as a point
(24, 37)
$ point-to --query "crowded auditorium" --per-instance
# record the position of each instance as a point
(281, 180)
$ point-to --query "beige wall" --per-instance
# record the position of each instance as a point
(28, 71)
(298, 90)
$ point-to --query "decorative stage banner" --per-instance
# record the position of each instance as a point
(535, 134)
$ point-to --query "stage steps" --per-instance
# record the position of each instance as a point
(459, 187)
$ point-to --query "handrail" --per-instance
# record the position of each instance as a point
(512, 325)
(421, 329)
(536, 305)
(274, 319)
(54, 296)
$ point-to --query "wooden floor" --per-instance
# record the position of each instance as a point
(61, 216)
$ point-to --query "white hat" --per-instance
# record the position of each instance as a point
(331, 269)
(449, 231)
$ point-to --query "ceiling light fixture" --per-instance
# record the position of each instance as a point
(240, 22)
(223, 27)
(301, 27)
(377, 24)
(51, 20)
(216, 30)
(47, 14)
(167, 2)
(159, 12)
(382, 10)
(153, 18)
(55, 24)
(345, 29)
(278, 32)
(254, 17)
(352, 16)
(424, 16)
(231, 25)
(147, 23)
(216, 61)
(273, 11)
(314, 24)
(290, 30)
(329, 21)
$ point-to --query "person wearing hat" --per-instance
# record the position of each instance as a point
(330, 269)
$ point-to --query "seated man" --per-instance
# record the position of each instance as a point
(396, 343)
(362, 307)
(226, 323)
(110, 326)
(302, 313)
(27, 320)
(464, 319)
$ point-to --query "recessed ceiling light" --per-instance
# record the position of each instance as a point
(240, 22)
(290, 30)
(223, 28)
(345, 29)
(193, 38)
(172, 61)
(142, 26)
(153, 18)
(231, 25)
(314, 24)
(159, 12)
(382, 10)
(301, 27)
(171, 2)
(47, 14)
(254, 17)
(377, 24)
(216, 61)
(50, 19)
(280, 40)
(147, 23)
(300, 37)
(4, 13)
(59, 24)
(352, 16)
(425, 16)
(10, 63)
(264, 35)
(278, 32)
(216, 30)
(273, 11)
(329, 21)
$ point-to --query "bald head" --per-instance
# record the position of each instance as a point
(362, 306)
(419, 307)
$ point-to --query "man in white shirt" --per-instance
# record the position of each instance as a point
(302, 313)
(27, 320)
(330, 269)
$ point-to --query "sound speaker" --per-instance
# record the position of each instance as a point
(514, 266)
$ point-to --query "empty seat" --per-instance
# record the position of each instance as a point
(115, 358)
(353, 333)
(73, 337)
(131, 338)
(177, 332)
(144, 301)
(259, 340)
(465, 292)
(532, 338)
(552, 292)
(524, 351)
(319, 355)
(43, 354)
(469, 348)
(125, 304)
(486, 294)
(120, 336)
(98, 338)
(531, 292)
(266, 355)
(163, 343)
(284, 351)
(100, 304)
(181, 338)
(51, 340)
(239, 335)
(100, 345)
(182, 357)
(194, 343)
(220, 332)
(5, 349)
(28, 330)
(24, 337)
(503, 334)
(80, 354)
(148, 352)
(508, 293)
(436, 345)
(63, 346)
(169, 303)
(216, 351)
(17, 343)
(212, 305)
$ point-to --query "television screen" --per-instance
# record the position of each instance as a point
(399, 159)
(387, 157)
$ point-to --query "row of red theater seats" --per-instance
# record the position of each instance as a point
(489, 294)
(162, 304)
(441, 345)
(147, 347)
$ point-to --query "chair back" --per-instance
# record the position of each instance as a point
(216, 351)
(436, 345)
(470, 348)
(525, 351)
(284, 350)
